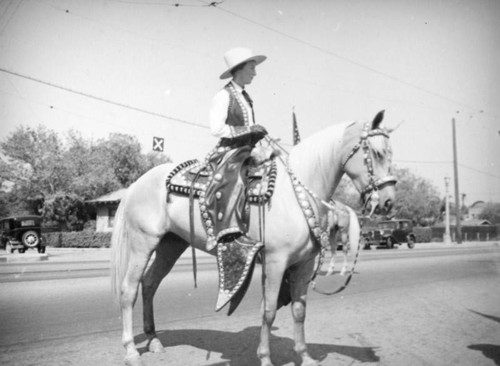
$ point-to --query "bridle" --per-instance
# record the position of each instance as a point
(371, 190)
(374, 184)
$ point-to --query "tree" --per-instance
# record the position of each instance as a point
(491, 212)
(347, 194)
(37, 160)
(416, 198)
(90, 167)
(55, 177)
(65, 211)
(123, 152)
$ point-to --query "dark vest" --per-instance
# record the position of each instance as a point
(237, 114)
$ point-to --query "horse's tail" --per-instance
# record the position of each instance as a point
(120, 248)
(354, 231)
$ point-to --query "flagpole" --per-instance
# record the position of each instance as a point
(296, 134)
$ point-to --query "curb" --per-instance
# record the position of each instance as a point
(81, 255)
(22, 258)
(71, 255)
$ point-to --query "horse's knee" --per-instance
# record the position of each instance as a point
(148, 289)
(128, 297)
(269, 315)
(299, 311)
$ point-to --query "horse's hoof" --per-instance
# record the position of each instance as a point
(311, 362)
(133, 361)
(266, 363)
(155, 346)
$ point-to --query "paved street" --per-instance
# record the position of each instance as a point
(433, 305)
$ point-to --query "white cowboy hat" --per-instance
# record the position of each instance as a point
(237, 56)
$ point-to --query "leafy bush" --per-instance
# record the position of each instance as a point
(77, 239)
(423, 234)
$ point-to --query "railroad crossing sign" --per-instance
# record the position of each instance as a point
(158, 143)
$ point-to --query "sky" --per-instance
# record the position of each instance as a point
(150, 68)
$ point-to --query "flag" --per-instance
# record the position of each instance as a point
(296, 135)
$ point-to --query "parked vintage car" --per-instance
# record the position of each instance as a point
(390, 233)
(21, 233)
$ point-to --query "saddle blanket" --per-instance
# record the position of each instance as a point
(261, 180)
(235, 260)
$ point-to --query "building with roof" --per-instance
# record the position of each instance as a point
(475, 209)
(105, 207)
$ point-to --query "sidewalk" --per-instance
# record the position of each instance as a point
(58, 255)
(54, 255)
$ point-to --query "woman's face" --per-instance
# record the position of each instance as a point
(245, 75)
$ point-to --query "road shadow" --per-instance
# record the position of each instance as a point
(239, 348)
(491, 351)
(490, 317)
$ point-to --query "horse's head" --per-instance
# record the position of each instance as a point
(366, 158)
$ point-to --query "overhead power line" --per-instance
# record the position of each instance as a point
(479, 171)
(422, 162)
(104, 100)
(446, 163)
(343, 58)
(163, 3)
(217, 4)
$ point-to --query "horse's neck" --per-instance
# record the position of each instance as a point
(316, 161)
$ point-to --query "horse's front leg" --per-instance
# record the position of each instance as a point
(331, 266)
(272, 276)
(167, 253)
(300, 278)
(333, 250)
(345, 251)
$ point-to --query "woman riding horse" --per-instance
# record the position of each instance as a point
(232, 119)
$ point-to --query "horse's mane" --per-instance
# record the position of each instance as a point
(315, 153)
(317, 159)
(317, 147)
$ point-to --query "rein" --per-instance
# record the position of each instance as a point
(370, 190)
(351, 272)
(373, 184)
(191, 228)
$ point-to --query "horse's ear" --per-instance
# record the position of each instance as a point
(378, 120)
(392, 129)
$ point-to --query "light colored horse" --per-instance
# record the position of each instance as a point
(151, 220)
(343, 222)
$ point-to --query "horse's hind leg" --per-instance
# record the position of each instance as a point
(170, 249)
(129, 288)
(300, 282)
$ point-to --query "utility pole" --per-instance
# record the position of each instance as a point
(446, 236)
(457, 194)
(464, 208)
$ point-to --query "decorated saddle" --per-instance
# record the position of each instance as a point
(235, 258)
(193, 174)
